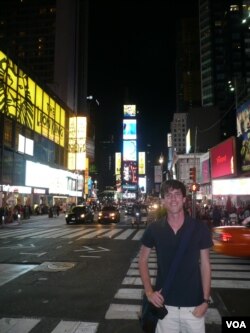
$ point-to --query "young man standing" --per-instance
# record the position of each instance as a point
(188, 298)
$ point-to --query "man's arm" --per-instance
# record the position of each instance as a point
(143, 269)
(154, 297)
(205, 268)
(205, 273)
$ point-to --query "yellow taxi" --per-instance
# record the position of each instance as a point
(232, 240)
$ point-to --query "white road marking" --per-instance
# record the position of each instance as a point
(231, 284)
(138, 235)
(37, 233)
(11, 271)
(94, 234)
(75, 327)
(111, 233)
(126, 311)
(233, 275)
(79, 233)
(129, 293)
(17, 325)
(125, 234)
(34, 254)
(123, 311)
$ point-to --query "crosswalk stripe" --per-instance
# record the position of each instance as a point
(78, 233)
(129, 293)
(13, 233)
(231, 267)
(94, 234)
(135, 271)
(17, 325)
(116, 233)
(75, 326)
(233, 275)
(123, 311)
(229, 260)
(36, 233)
(111, 233)
(125, 234)
(138, 235)
(231, 284)
(132, 311)
(25, 325)
(58, 234)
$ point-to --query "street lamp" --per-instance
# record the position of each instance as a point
(161, 160)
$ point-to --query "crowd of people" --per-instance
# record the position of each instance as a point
(10, 213)
(220, 215)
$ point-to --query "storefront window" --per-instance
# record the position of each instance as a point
(19, 170)
(7, 136)
(7, 167)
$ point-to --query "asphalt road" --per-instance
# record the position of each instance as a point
(88, 276)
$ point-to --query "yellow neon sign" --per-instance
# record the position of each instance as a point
(22, 99)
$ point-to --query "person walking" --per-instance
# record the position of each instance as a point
(188, 298)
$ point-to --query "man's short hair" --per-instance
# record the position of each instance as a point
(172, 184)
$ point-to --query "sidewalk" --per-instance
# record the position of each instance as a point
(33, 218)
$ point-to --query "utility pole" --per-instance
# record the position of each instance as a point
(194, 192)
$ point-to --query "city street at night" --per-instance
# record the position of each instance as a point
(57, 277)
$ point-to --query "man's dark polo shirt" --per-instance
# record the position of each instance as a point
(186, 289)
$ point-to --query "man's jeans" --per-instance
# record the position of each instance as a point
(180, 320)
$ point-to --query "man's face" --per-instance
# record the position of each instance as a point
(173, 201)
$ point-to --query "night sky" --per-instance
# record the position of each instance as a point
(132, 61)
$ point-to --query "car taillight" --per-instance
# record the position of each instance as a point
(225, 236)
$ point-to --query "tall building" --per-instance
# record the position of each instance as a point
(27, 33)
(224, 56)
(188, 91)
(50, 38)
(179, 131)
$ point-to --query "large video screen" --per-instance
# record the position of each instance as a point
(129, 150)
(129, 110)
(129, 129)
(130, 170)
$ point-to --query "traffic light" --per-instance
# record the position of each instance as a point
(192, 174)
(195, 187)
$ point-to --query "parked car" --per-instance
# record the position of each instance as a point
(80, 214)
(109, 214)
(232, 240)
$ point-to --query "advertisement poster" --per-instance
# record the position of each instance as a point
(243, 132)
(222, 159)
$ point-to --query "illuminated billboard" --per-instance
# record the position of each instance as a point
(22, 99)
(77, 143)
(142, 183)
(129, 150)
(129, 111)
(129, 129)
(118, 163)
(130, 176)
(142, 163)
(205, 168)
(222, 159)
(243, 132)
